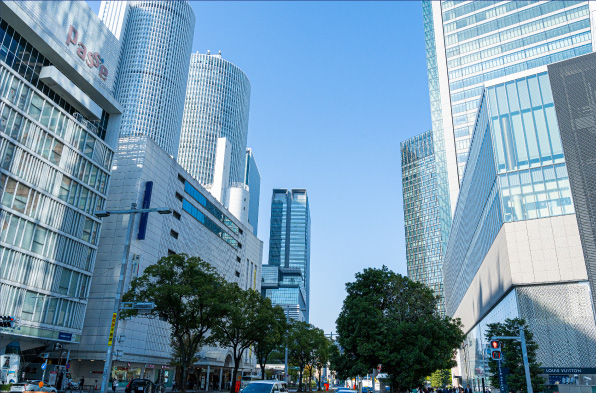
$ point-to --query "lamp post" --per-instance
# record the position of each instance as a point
(116, 314)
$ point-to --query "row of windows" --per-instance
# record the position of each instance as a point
(506, 21)
(28, 236)
(523, 54)
(211, 208)
(36, 172)
(482, 16)
(469, 8)
(515, 68)
(209, 224)
(34, 272)
(522, 42)
(27, 62)
(34, 204)
(37, 307)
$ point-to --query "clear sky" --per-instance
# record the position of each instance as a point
(336, 86)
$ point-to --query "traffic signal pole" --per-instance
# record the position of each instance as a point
(522, 339)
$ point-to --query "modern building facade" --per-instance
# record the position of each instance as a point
(426, 237)
(252, 178)
(217, 106)
(514, 248)
(156, 40)
(573, 83)
(199, 226)
(59, 126)
(286, 278)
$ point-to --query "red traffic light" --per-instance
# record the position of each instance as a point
(496, 355)
(494, 344)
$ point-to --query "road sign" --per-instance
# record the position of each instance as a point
(43, 366)
(67, 366)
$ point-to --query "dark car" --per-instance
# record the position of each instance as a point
(140, 386)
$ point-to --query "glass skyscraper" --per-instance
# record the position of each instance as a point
(425, 236)
(286, 279)
(217, 106)
(153, 70)
(469, 44)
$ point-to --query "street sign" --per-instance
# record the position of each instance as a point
(67, 366)
(43, 366)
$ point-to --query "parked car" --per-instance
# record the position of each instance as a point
(140, 386)
(32, 386)
(72, 385)
(266, 387)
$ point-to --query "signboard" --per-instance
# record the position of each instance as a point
(111, 337)
(503, 373)
(53, 376)
(568, 370)
(43, 366)
(64, 336)
(92, 59)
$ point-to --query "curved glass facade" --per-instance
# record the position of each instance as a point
(154, 69)
(217, 105)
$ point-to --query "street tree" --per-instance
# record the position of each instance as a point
(512, 356)
(246, 314)
(318, 347)
(272, 335)
(391, 320)
(441, 378)
(300, 346)
(322, 357)
(186, 293)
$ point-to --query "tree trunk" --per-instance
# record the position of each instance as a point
(182, 381)
(235, 372)
(300, 380)
(320, 371)
(262, 370)
(310, 380)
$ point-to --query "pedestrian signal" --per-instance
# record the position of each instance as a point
(495, 350)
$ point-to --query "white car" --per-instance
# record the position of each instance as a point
(266, 387)
(32, 386)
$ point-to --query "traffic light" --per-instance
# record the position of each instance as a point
(495, 350)
(7, 321)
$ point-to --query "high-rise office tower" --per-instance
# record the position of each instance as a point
(252, 178)
(156, 39)
(217, 105)
(470, 44)
(286, 279)
(477, 42)
(425, 235)
(59, 126)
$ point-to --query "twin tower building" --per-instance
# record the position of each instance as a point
(199, 113)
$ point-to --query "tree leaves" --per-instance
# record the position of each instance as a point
(391, 320)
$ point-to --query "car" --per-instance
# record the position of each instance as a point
(72, 385)
(32, 386)
(266, 387)
(140, 386)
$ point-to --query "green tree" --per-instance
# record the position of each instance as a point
(246, 314)
(318, 343)
(272, 336)
(441, 378)
(512, 356)
(300, 346)
(186, 293)
(391, 320)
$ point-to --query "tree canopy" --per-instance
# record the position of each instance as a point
(391, 320)
(186, 293)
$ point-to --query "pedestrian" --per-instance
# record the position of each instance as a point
(81, 384)
(114, 384)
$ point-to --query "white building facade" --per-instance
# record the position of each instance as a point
(199, 226)
(156, 39)
(59, 125)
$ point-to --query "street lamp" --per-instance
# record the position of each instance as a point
(116, 314)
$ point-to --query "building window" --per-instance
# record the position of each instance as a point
(237, 273)
(176, 215)
(181, 178)
(170, 252)
(238, 259)
(179, 197)
(174, 234)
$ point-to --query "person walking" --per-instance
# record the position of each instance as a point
(81, 383)
(114, 385)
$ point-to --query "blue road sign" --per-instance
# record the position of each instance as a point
(43, 366)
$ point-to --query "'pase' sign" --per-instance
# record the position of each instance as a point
(92, 59)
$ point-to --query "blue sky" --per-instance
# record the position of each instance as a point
(336, 86)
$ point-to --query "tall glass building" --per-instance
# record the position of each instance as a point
(515, 248)
(476, 42)
(217, 106)
(153, 70)
(59, 125)
(286, 278)
(425, 236)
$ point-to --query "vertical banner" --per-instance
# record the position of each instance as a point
(111, 338)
